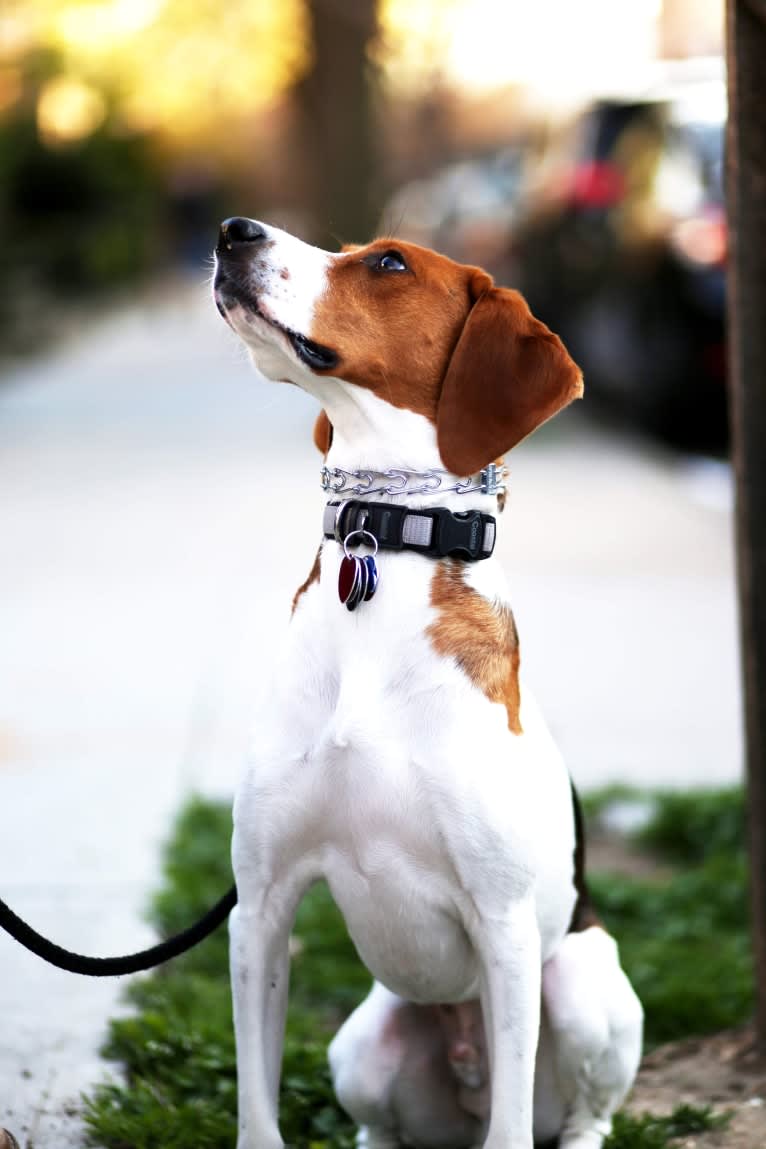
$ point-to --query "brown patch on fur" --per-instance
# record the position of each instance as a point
(394, 331)
(312, 578)
(480, 635)
(322, 432)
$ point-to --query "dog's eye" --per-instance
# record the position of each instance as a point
(391, 261)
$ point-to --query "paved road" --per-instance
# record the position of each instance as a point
(139, 604)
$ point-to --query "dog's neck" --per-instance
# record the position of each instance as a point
(358, 462)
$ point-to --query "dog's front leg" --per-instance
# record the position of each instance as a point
(260, 966)
(509, 950)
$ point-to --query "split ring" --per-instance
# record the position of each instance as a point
(362, 536)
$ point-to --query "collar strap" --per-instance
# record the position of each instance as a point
(434, 531)
(490, 481)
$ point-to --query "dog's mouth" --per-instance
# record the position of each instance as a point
(229, 294)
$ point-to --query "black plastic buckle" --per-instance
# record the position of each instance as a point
(460, 534)
(383, 520)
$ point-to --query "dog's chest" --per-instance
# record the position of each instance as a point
(411, 821)
(395, 851)
(384, 770)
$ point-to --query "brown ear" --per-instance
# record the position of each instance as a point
(507, 375)
(323, 432)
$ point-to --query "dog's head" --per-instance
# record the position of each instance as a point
(393, 327)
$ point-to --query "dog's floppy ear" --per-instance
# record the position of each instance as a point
(323, 432)
(507, 375)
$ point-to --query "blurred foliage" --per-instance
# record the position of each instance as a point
(77, 218)
(683, 941)
(129, 127)
(683, 826)
(121, 123)
(696, 827)
(178, 69)
(86, 215)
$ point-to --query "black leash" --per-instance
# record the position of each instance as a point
(115, 966)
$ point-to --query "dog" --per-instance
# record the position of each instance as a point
(398, 755)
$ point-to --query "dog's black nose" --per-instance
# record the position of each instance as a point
(238, 230)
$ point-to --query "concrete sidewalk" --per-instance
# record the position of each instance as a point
(139, 603)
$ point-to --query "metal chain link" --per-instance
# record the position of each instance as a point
(490, 481)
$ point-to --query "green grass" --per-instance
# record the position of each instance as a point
(683, 942)
(650, 1132)
(684, 938)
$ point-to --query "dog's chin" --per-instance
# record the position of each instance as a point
(268, 346)
(245, 319)
(254, 326)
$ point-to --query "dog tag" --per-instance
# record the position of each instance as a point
(357, 577)
(349, 578)
(359, 592)
(372, 577)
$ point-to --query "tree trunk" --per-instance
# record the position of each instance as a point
(746, 192)
(337, 101)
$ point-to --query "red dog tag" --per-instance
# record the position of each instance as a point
(349, 579)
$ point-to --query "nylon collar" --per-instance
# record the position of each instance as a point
(434, 531)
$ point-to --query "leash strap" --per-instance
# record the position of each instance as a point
(115, 966)
(433, 531)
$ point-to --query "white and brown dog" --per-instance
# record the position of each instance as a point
(398, 757)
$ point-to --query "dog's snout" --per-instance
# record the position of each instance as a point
(237, 231)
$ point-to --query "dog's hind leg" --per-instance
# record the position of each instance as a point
(365, 1059)
(391, 1075)
(596, 1023)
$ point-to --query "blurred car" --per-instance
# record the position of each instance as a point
(621, 251)
(465, 209)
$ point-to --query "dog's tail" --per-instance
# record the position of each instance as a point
(584, 914)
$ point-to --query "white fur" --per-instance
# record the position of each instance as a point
(446, 840)
(290, 301)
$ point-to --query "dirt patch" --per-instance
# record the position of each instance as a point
(723, 1071)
